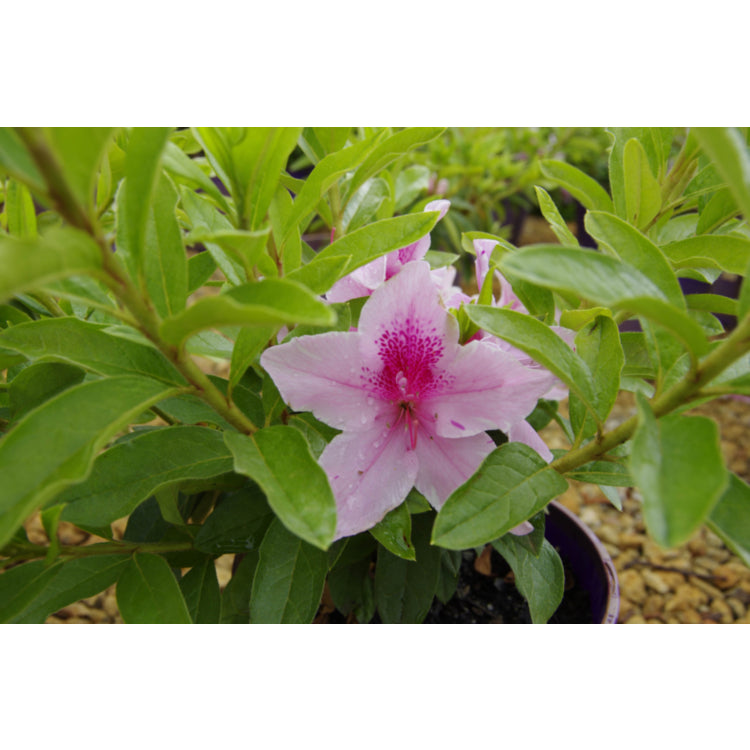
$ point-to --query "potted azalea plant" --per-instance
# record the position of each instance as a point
(372, 421)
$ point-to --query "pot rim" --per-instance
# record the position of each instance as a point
(613, 590)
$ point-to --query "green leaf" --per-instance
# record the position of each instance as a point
(200, 270)
(61, 438)
(729, 152)
(289, 579)
(370, 242)
(249, 344)
(16, 160)
(31, 263)
(128, 473)
(237, 524)
(582, 187)
(164, 261)
(19, 207)
(317, 433)
(541, 579)
(541, 343)
(394, 532)
(148, 593)
(512, 484)
(605, 281)
(450, 567)
(79, 152)
(677, 465)
(235, 599)
(721, 207)
(204, 216)
(388, 150)
(557, 223)
(365, 202)
(607, 473)
(180, 165)
(142, 170)
(245, 247)
(325, 174)
(38, 383)
(200, 589)
(321, 275)
(598, 345)
(730, 518)
(731, 254)
(712, 303)
(352, 589)
(279, 460)
(31, 592)
(263, 303)
(635, 249)
(642, 190)
(404, 589)
(90, 346)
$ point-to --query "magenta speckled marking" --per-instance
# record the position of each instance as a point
(457, 424)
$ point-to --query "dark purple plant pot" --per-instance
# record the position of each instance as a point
(587, 559)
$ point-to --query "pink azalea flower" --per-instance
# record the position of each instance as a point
(364, 280)
(413, 405)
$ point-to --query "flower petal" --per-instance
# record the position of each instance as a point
(359, 283)
(370, 474)
(446, 463)
(523, 432)
(322, 374)
(485, 388)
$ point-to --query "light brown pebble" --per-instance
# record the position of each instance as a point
(626, 556)
(653, 606)
(689, 617)
(632, 586)
(699, 583)
(722, 609)
(636, 619)
(110, 604)
(608, 533)
(686, 597)
(745, 620)
(590, 517)
(69, 534)
(655, 581)
(630, 540)
(78, 621)
(614, 551)
(704, 564)
(737, 607)
(77, 609)
(654, 621)
(697, 546)
(653, 552)
(726, 576)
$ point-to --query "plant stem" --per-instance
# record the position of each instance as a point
(730, 350)
(23, 552)
(117, 279)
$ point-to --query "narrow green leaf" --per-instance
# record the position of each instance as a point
(38, 383)
(731, 254)
(249, 344)
(180, 165)
(235, 599)
(635, 249)
(721, 207)
(164, 261)
(365, 202)
(321, 275)
(237, 524)
(79, 152)
(200, 589)
(541, 579)
(388, 150)
(31, 263)
(729, 152)
(90, 346)
(598, 345)
(404, 589)
(582, 187)
(730, 518)
(20, 211)
(677, 465)
(394, 532)
(279, 460)
(607, 473)
(541, 343)
(289, 579)
(605, 281)
(58, 586)
(325, 174)
(263, 303)
(200, 270)
(60, 440)
(245, 247)
(148, 593)
(142, 171)
(16, 160)
(512, 484)
(712, 303)
(128, 473)
(642, 190)
(557, 223)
